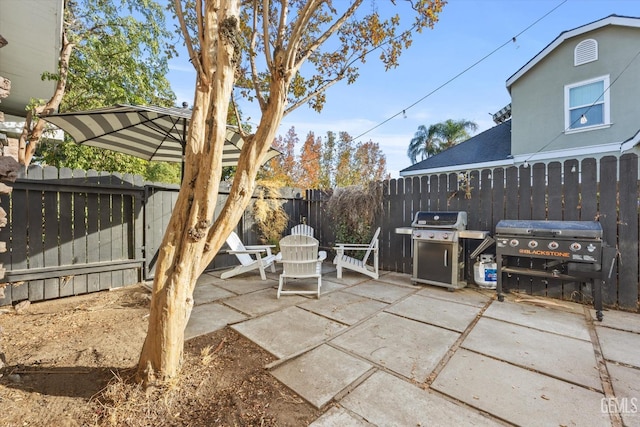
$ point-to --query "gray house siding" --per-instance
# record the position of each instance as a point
(538, 95)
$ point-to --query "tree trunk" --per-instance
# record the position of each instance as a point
(191, 240)
(30, 137)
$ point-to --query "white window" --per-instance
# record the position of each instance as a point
(585, 51)
(587, 104)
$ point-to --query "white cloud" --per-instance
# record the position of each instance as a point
(182, 67)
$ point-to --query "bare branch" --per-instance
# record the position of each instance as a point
(299, 28)
(236, 113)
(316, 92)
(195, 59)
(252, 61)
(201, 32)
(199, 19)
(323, 38)
(30, 138)
(265, 33)
(282, 25)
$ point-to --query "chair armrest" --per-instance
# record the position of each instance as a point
(349, 246)
(248, 251)
(261, 247)
(322, 255)
(299, 261)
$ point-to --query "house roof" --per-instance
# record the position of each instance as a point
(33, 31)
(489, 147)
(626, 21)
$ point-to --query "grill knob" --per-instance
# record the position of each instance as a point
(553, 245)
(575, 246)
(445, 236)
(432, 235)
(513, 243)
(533, 244)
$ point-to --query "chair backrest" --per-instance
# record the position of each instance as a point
(372, 245)
(303, 229)
(299, 254)
(235, 244)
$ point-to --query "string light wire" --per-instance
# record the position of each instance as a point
(446, 83)
(526, 162)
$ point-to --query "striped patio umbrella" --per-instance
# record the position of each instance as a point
(147, 132)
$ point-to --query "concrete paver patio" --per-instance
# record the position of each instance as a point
(389, 353)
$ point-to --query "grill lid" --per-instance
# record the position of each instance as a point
(450, 220)
(560, 229)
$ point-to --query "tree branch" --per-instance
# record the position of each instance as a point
(265, 33)
(316, 92)
(298, 30)
(236, 112)
(323, 38)
(252, 61)
(195, 59)
(282, 24)
(30, 138)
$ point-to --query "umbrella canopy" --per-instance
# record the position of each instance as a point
(147, 132)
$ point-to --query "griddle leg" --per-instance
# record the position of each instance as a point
(499, 281)
(597, 297)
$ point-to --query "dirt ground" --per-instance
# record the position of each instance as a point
(69, 362)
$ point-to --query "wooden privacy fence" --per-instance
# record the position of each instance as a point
(72, 232)
(605, 190)
(158, 206)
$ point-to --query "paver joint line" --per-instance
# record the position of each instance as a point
(607, 385)
(456, 401)
(348, 389)
(598, 337)
(278, 362)
(456, 345)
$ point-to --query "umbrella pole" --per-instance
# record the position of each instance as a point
(182, 168)
(184, 144)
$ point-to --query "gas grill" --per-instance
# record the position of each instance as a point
(571, 250)
(437, 253)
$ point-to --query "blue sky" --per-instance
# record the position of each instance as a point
(467, 31)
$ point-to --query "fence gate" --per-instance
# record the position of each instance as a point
(70, 232)
(158, 205)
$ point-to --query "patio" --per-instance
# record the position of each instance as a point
(386, 352)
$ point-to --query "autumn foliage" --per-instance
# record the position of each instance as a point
(334, 162)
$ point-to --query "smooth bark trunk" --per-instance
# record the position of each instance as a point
(32, 134)
(192, 239)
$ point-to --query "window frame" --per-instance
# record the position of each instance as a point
(606, 103)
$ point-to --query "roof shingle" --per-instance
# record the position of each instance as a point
(491, 145)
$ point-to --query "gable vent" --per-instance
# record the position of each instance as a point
(586, 51)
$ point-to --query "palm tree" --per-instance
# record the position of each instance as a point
(422, 144)
(452, 132)
(429, 141)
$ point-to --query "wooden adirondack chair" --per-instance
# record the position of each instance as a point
(303, 229)
(250, 257)
(300, 260)
(307, 230)
(360, 265)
